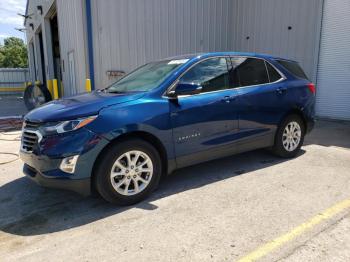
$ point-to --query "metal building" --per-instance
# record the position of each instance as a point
(79, 39)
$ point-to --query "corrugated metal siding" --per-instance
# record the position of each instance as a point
(131, 33)
(38, 23)
(30, 41)
(31, 57)
(71, 20)
(71, 23)
(333, 78)
(266, 24)
(13, 78)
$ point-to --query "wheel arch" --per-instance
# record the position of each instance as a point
(146, 136)
(295, 111)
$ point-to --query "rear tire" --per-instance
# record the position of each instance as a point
(128, 172)
(289, 137)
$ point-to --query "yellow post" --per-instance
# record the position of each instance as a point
(62, 88)
(49, 86)
(55, 89)
(88, 85)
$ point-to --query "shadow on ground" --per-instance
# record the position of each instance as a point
(27, 209)
(330, 133)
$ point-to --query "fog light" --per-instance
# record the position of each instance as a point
(68, 164)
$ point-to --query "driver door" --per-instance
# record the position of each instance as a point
(205, 124)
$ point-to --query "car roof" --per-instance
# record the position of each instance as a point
(210, 54)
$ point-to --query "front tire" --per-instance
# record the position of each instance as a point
(128, 172)
(289, 137)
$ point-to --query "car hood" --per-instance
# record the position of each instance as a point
(78, 106)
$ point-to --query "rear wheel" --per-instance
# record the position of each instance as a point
(128, 172)
(289, 137)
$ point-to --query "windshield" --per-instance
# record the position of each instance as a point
(146, 77)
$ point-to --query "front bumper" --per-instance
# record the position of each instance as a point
(81, 186)
(43, 163)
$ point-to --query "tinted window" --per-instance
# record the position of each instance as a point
(247, 71)
(294, 68)
(211, 74)
(273, 74)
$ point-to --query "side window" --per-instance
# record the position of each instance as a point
(273, 74)
(248, 71)
(211, 74)
(294, 68)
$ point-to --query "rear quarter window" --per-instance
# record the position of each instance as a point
(274, 76)
(294, 68)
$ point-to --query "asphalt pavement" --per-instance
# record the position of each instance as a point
(12, 105)
(250, 206)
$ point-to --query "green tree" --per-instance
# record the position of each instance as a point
(13, 53)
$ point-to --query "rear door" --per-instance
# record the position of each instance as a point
(204, 124)
(262, 99)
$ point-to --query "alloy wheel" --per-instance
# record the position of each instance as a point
(291, 136)
(131, 173)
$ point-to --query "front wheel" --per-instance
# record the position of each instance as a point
(289, 137)
(128, 172)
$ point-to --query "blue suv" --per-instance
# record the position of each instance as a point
(166, 115)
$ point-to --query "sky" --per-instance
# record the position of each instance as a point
(9, 20)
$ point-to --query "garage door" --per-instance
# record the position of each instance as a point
(333, 78)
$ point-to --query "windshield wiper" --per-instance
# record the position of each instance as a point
(115, 92)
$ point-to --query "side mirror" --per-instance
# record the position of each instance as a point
(185, 89)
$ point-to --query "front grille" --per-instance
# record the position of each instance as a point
(29, 140)
(30, 135)
(30, 124)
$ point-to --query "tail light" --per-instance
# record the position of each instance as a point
(312, 87)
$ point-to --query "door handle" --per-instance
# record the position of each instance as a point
(281, 90)
(226, 99)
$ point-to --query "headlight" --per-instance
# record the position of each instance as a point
(66, 126)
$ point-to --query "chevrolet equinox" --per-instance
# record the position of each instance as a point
(166, 115)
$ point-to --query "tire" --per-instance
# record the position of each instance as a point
(115, 159)
(35, 96)
(289, 148)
